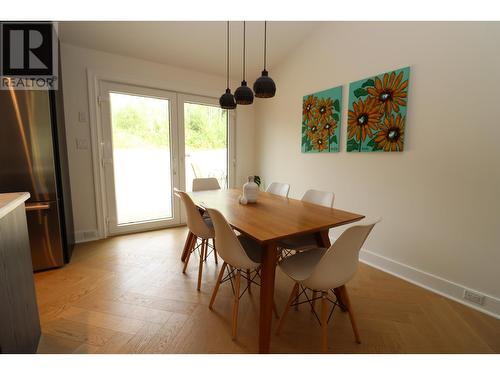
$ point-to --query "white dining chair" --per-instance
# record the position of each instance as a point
(278, 188)
(202, 228)
(208, 183)
(242, 258)
(306, 241)
(326, 271)
(322, 198)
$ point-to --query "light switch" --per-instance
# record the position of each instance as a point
(82, 143)
(82, 117)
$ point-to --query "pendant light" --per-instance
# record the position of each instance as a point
(264, 86)
(226, 101)
(243, 94)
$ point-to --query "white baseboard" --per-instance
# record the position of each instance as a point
(436, 284)
(86, 236)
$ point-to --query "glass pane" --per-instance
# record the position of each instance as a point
(205, 143)
(141, 158)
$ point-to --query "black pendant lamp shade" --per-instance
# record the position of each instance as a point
(243, 94)
(226, 101)
(264, 86)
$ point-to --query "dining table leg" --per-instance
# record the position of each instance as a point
(323, 239)
(187, 246)
(267, 296)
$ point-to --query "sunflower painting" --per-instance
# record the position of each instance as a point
(377, 112)
(321, 121)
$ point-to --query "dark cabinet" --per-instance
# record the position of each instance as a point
(19, 320)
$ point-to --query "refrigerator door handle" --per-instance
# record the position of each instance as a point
(37, 206)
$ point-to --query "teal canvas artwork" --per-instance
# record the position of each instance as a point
(321, 117)
(377, 112)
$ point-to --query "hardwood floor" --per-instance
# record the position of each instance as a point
(128, 294)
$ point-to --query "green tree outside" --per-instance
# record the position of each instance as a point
(140, 125)
(205, 127)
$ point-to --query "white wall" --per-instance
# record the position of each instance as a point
(75, 62)
(439, 198)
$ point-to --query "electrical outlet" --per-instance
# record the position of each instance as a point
(473, 297)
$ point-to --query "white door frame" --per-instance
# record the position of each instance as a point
(105, 88)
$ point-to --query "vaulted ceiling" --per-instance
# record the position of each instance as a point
(199, 46)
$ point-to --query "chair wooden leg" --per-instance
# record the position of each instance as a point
(202, 258)
(249, 282)
(187, 246)
(217, 285)
(338, 294)
(347, 301)
(205, 257)
(236, 303)
(215, 251)
(192, 245)
(287, 307)
(324, 322)
(313, 303)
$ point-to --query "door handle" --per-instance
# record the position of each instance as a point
(37, 206)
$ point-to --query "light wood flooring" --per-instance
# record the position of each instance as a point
(127, 294)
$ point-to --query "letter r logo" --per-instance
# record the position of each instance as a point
(27, 49)
(35, 40)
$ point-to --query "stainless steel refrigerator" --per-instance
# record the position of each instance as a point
(33, 158)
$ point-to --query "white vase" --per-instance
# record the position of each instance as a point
(250, 190)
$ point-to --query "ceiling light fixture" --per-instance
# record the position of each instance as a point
(243, 94)
(226, 101)
(264, 86)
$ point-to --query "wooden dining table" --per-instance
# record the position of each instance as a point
(271, 219)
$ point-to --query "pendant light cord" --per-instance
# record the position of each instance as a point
(244, 49)
(227, 61)
(265, 43)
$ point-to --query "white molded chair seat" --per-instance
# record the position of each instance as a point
(278, 188)
(201, 227)
(231, 248)
(321, 198)
(209, 183)
(300, 266)
(325, 270)
(308, 241)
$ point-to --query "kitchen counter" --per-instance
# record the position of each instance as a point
(19, 320)
(10, 201)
